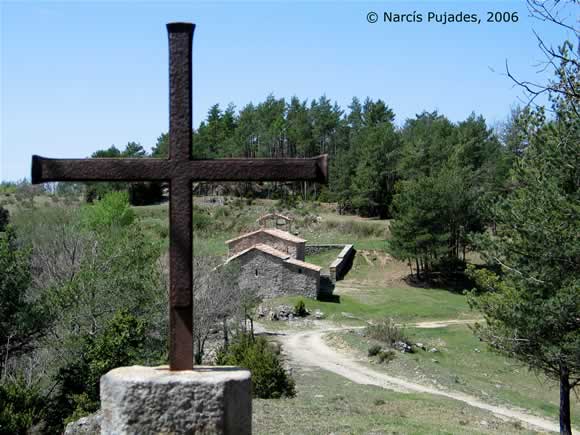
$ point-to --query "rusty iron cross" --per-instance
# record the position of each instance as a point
(179, 170)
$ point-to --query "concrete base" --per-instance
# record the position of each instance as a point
(154, 400)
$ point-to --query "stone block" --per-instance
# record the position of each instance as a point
(155, 400)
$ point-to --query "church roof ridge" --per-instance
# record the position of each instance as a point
(304, 264)
(242, 236)
(275, 253)
(283, 235)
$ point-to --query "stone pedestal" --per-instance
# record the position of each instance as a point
(154, 400)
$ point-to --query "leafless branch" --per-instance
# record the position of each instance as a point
(531, 278)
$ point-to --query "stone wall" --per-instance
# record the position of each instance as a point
(316, 249)
(273, 277)
(295, 250)
(300, 251)
(343, 263)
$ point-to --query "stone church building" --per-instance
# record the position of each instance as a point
(272, 262)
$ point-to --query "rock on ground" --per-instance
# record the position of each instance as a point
(89, 425)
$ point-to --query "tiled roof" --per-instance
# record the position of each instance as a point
(283, 235)
(269, 250)
(263, 248)
(303, 264)
(275, 253)
(273, 232)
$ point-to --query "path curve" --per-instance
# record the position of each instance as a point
(310, 349)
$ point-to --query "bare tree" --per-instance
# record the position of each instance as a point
(215, 299)
(563, 61)
(83, 277)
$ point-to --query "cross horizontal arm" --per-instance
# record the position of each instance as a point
(150, 169)
(101, 169)
(310, 169)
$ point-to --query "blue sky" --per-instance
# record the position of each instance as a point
(81, 76)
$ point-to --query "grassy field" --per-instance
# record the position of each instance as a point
(401, 303)
(327, 403)
(323, 259)
(463, 363)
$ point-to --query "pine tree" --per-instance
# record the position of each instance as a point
(531, 302)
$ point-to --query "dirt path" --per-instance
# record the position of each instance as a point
(309, 349)
(442, 323)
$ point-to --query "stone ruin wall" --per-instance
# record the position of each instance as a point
(343, 263)
(317, 249)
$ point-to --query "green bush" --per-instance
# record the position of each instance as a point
(121, 343)
(386, 356)
(238, 203)
(162, 231)
(21, 317)
(159, 228)
(300, 309)
(4, 218)
(7, 187)
(200, 220)
(374, 350)
(146, 193)
(387, 331)
(21, 406)
(269, 379)
(288, 201)
(221, 212)
(111, 211)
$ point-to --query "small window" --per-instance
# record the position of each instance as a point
(299, 270)
(256, 272)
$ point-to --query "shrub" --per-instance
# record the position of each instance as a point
(145, 193)
(238, 203)
(162, 231)
(21, 317)
(7, 187)
(121, 343)
(374, 350)
(21, 406)
(113, 210)
(386, 356)
(221, 212)
(200, 220)
(4, 218)
(300, 309)
(269, 379)
(157, 227)
(387, 331)
(288, 201)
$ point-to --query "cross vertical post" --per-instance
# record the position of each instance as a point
(180, 208)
